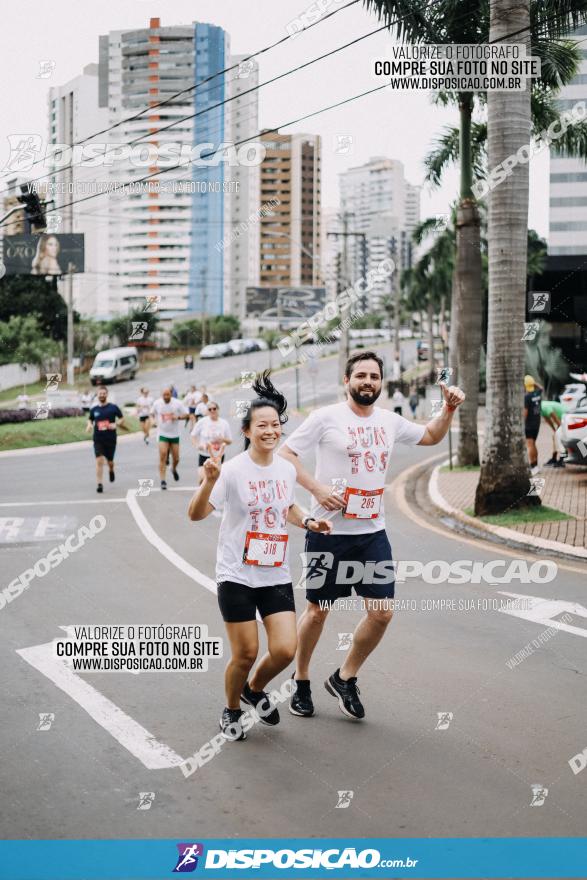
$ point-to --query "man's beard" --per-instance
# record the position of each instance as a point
(364, 399)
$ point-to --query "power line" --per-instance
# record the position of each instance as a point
(207, 79)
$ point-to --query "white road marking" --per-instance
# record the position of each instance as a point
(153, 754)
(63, 503)
(543, 611)
(164, 548)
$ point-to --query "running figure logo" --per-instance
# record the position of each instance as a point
(46, 719)
(152, 303)
(315, 566)
(187, 860)
(539, 795)
(43, 407)
(53, 380)
(241, 408)
(539, 302)
(247, 378)
(531, 329)
(443, 374)
(345, 640)
(145, 487)
(344, 799)
(146, 799)
(444, 719)
(139, 328)
(536, 485)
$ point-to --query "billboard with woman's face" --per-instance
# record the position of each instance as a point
(44, 254)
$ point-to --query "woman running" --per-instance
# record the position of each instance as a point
(210, 435)
(256, 490)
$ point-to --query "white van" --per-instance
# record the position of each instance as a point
(114, 364)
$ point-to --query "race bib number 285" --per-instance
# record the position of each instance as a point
(363, 503)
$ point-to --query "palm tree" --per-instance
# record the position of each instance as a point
(455, 21)
(504, 480)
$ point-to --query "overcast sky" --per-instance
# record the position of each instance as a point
(399, 125)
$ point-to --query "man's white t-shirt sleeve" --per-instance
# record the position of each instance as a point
(219, 492)
(227, 431)
(305, 438)
(406, 431)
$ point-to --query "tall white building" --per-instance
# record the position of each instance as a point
(74, 115)
(568, 177)
(383, 208)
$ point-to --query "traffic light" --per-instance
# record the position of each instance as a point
(34, 215)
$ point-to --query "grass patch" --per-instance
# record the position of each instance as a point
(459, 469)
(50, 432)
(521, 517)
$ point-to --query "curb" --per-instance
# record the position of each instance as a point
(501, 532)
(60, 447)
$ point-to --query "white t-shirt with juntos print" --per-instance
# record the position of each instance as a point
(356, 449)
(254, 499)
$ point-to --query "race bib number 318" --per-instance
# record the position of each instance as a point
(264, 549)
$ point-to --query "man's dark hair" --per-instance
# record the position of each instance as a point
(362, 356)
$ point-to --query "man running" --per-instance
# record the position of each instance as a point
(144, 404)
(104, 417)
(352, 442)
(168, 411)
(191, 400)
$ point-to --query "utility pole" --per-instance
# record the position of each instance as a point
(70, 370)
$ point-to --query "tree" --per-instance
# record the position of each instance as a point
(504, 481)
(187, 334)
(28, 295)
(23, 341)
(222, 328)
(455, 21)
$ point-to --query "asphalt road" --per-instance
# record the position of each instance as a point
(412, 774)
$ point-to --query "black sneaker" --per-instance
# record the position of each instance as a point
(175, 474)
(261, 702)
(550, 463)
(559, 464)
(300, 702)
(111, 475)
(230, 725)
(99, 488)
(347, 694)
(163, 484)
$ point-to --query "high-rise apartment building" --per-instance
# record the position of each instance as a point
(290, 232)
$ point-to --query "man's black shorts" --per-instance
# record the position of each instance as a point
(239, 603)
(531, 430)
(331, 566)
(143, 418)
(105, 447)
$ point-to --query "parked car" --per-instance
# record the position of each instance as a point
(224, 349)
(572, 395)
(574, 434)
(237, 346)
(261, 344)
(249, 345)
(113, 365)
(210, 351)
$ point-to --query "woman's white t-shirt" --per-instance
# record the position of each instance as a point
(208, 430)
(253, 499)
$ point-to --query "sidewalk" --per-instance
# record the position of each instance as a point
(565, 490)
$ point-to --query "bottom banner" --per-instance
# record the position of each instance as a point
(529, 857)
